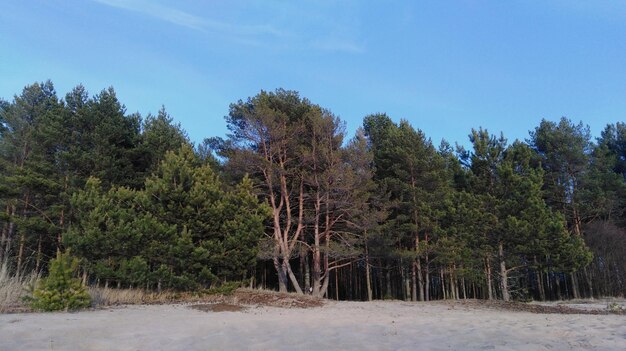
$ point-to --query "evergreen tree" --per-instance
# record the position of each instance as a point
(565, 150)
(413, 171)
(113, 141)
(159, 135)
(30, 187)
(60, 290)
(183, 231)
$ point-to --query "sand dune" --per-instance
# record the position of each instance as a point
(335, 326)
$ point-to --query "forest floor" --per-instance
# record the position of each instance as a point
(251, 320)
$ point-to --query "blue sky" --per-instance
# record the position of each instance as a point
(446, 66)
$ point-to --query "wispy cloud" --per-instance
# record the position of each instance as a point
(302, 26)
(188, 20)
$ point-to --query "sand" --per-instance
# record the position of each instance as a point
(336, 326)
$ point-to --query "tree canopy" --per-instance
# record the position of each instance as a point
(288, 200)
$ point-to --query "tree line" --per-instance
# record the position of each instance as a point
(288, 200)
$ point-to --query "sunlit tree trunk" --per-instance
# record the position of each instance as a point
(504, 279)
(368, 276)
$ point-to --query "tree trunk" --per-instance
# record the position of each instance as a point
(307, 274)
(388, 294)
(282, 277)
(420, 278)
(38, 260)
(283, 239)
(427, 273)
(574, 285)
(463, 289)
(317, 259)
(414, 282)
(62, 217)
(337, 284)
(589, 282)
(454, 292)
(292, 277)
(443, 284)
(407, 285)
(381, 295)
(418, 265)
(455, 279)
(542, 290)
(20, 254)
(84, 279)
(368, 281)
(10, 232)
(504, 283)
(5, 232)
(317, 272)
(488, 278)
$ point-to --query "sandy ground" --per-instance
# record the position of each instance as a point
(335, 326)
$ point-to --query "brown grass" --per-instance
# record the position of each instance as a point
(217, 307)
(526, 307)
(241, 296)
(115, 297)
(13, 288)
(276, 299)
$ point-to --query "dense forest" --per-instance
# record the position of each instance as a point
(288, 201)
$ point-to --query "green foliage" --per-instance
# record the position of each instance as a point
(183, 231)
(60, 290)
(159, 135)
(140, 207)
(615, 307)
(409, 168)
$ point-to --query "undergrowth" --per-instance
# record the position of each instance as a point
(13, 288)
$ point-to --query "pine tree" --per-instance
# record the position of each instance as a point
(183, 231)
(60, 290)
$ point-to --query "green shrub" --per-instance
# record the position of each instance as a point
(60, 290)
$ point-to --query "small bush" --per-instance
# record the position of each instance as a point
(60, 290)
(615, 307)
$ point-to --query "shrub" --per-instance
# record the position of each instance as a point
(60, 290)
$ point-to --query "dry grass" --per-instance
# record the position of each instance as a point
(218, 307)
(115, 297)
(259, 297)
(101, 297)
(13, 288)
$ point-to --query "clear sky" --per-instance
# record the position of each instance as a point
(446, 66)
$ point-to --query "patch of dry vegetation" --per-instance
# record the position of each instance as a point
(217, 307)
(528, 307)
(102, 297)
(245, 296)
(115, 297)
(13, 288)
